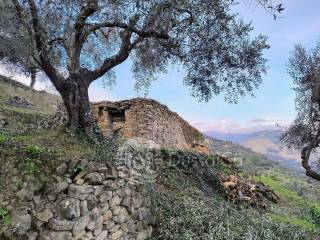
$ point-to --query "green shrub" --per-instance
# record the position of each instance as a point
(3, 138)
(315, 213)
(37, 152)
(5, 217)
(29, 167)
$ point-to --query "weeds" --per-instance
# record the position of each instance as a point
(5, 217)
(38, 152)
(29, 167)
(315, 213)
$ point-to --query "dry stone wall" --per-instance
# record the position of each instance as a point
(100, 202)
(147, 120)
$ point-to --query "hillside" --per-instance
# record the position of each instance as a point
(21, 107)
(58, 186)
(266, 143)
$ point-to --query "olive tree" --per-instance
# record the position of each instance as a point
(304, 132)
(15, 48)
(79, 41)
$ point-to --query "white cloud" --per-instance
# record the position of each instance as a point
(229, 126)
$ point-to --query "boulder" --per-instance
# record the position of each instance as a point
(80, 191)
(22, 223)
(94, 178)
(60, 225)
(69, 208)
(25, 195)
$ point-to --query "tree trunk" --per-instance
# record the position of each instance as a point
(76, 99)
(33, 79)
(305, 156)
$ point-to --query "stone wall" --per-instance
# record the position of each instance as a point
(147, 120)
(99, 202)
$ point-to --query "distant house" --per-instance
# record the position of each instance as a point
(147, 121)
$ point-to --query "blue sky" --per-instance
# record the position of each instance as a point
(274, 100)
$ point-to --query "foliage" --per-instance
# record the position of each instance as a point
(107, 149)
(5, 217)
(34, 151)
(304, 132)
(29, 167)
(292, 220)
(282, 190)
(315, 213)
(3, 138)
(15, 46)
(219, 166)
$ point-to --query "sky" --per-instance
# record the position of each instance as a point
(273, 103)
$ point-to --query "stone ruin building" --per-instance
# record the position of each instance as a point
(148, 121)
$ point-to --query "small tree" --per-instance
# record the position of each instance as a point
(304, 133)
(89, 38)
(15, 48)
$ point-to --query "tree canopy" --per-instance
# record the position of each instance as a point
(79, 41)
(304, 133)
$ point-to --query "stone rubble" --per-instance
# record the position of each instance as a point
(21, 102)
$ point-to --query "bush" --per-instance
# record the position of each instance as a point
(315, 213)
(36, 152)
(5, 217)
(29, 167)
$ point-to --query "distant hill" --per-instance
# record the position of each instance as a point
(233, 137)
(265, 142)
(245, 158)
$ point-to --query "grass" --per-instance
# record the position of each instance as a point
(293, 220)
(277, 183)
(45, 102)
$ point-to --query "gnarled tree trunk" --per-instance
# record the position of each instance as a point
(305, 156)
(76, 99)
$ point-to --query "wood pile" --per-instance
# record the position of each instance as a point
(240, 190)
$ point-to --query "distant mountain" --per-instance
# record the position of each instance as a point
(265, 142)
(233, 137)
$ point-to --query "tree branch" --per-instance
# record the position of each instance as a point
(140, 33)
(121, 56)
(58, 39)
(80, 36)
(41, 46)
